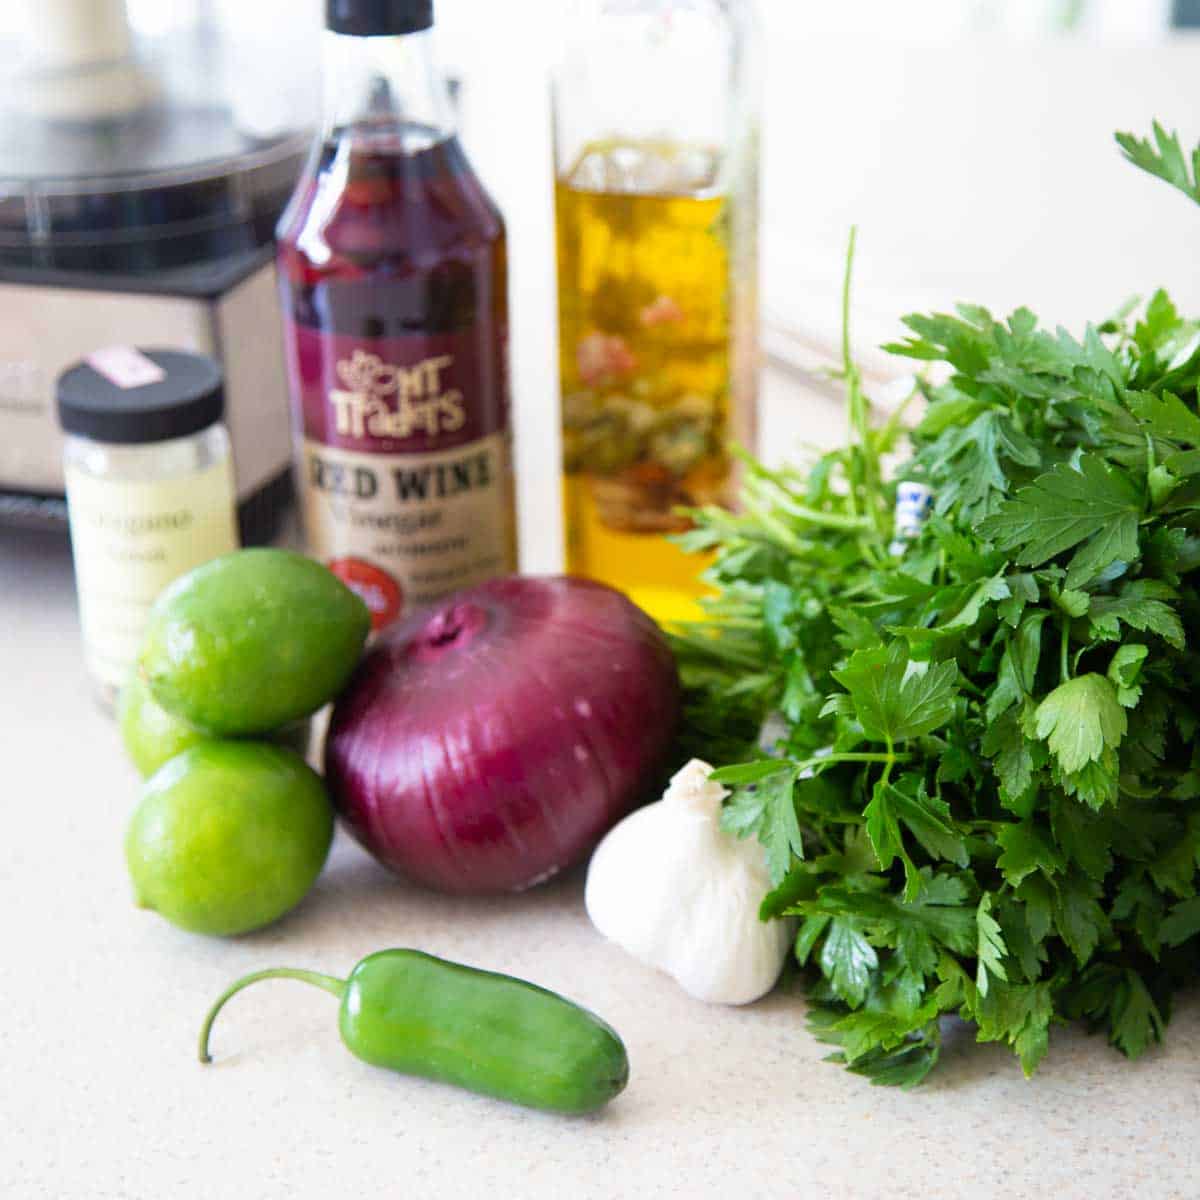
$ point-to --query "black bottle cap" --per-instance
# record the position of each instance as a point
(378, 18)
(143, 396)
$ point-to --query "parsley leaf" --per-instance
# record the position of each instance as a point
(1078, 917)
(765, 808)
(1182, 923)
(896, 699)
(991, 948)
(1134, 1017)
(1165, 158)
(890, 1051)
(1143, 605)
(1124, 670)
(847, 960)
(1118, 997)
(1079, 719)
(1166, 417)
(1013, 758)
(1019, 1014)
(925, 817)
(780, 833)
(1096, 505)
(1018, 666)
(1026, 848)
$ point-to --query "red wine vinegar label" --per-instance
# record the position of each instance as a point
(405, 463)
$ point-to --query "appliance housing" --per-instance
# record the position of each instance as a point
(228, 308)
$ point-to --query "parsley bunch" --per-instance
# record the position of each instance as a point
(972, 758)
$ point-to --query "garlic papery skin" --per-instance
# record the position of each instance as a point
(679, 894)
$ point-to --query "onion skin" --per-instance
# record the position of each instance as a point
(490, 742)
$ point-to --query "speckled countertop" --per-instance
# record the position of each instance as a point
(101, 1096)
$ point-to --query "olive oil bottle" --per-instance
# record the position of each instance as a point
(657, 284)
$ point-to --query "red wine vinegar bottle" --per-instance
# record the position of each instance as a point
(393, 279)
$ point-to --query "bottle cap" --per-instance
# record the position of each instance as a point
(378, 18)
(134, 397)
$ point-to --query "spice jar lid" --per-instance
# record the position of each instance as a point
(134, 397)
(378, 18)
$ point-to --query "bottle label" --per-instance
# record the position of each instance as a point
(131, 539)
(405, 464)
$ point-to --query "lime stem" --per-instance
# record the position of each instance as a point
(335, 987)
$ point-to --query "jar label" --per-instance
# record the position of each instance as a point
(132, 538)
(125, 367)
(406, 465)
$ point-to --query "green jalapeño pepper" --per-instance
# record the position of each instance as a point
(488, 1033)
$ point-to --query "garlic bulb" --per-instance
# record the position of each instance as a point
(675, 891)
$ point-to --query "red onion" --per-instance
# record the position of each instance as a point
(487, 744)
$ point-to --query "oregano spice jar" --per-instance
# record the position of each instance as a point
(150, 489)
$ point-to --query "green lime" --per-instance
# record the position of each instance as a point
(228, 836)
(153, 736)
(252, 641)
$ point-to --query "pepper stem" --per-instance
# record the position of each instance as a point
(335, 987)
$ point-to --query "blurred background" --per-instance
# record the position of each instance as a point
(970, 140)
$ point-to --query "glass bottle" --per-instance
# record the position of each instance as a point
(393, 280)
(656, 146)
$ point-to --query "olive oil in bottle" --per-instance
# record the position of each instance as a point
(657, 311)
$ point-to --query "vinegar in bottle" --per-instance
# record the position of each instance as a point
(393, 280)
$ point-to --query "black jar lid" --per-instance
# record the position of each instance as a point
(134, 397)
(378, 18)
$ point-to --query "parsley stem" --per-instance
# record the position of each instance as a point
(773, 526)
(860, 461)
(850, 372)
(814, 516)
(853, 757)
(783, 497)
(1064, 652)
(847, 279)
(895, 423)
